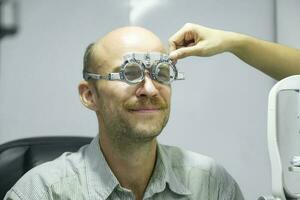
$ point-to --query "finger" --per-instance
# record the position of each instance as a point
(172, 46)
(177, 38)
(184, 52)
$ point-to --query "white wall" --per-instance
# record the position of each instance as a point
(288, 22)
(219, 110)
(41, 66)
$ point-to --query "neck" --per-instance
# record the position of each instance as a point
(132, 163)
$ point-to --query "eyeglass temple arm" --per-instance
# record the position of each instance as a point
(110, 76)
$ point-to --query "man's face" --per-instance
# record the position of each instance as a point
(136, 112)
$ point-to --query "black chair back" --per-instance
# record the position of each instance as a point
(19, 156)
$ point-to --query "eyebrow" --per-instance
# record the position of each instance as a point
(116, 69)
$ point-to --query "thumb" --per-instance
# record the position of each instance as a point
(184, 52)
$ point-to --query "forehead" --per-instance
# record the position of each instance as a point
(115, 61)
(144, 57)
(109, 51)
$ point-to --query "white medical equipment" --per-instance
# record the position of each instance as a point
(284, 166)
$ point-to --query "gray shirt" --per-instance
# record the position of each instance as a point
(178, 174)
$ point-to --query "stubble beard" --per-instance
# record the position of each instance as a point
(125, 129)
(123, 126)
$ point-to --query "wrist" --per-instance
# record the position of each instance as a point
(236, 42)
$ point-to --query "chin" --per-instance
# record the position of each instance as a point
(145, 130)
(148, 131)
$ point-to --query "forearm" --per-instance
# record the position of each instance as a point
(276, 60)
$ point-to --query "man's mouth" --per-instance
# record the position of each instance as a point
(145, 110)
(146, 106)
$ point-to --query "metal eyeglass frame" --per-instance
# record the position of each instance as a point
(145, 61)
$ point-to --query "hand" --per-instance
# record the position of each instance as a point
(275, 60)
(196, 40)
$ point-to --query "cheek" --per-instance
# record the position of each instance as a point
(112, 95)
(166, 93)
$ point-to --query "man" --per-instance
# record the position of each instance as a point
(125, 161)
(278, 61)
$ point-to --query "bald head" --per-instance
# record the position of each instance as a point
(109, 50)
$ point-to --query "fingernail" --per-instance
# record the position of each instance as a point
(172, 55)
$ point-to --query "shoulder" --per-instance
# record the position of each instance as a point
(180, 158)
(38, 182)
(198, 171)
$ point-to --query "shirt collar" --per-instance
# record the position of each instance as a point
(164, 175)
(102, 182)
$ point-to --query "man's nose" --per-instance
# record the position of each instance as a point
(147, 87)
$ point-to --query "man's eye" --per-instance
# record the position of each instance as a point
(132, 71)
(163, 72)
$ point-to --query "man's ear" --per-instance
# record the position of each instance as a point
(87, 96)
